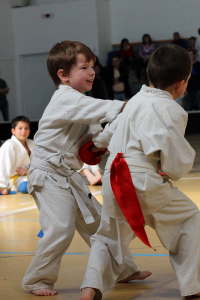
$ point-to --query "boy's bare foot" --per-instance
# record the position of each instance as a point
(92, 178)
(95, 180)
(4, 192)
(45, 292)
(140, 275)
(87, 294)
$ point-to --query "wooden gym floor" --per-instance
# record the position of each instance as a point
(19, 227)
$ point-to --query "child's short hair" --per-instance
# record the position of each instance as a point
(16, 120)
(115, 56)
(169, 64)
(63, 56)
(193, 38)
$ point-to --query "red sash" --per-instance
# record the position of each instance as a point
(125, 194)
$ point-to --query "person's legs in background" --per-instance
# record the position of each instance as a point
(188, 101)
(139, 65)
(4, 109)
(197, 100)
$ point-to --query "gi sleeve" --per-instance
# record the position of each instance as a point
(164, 132)
(103, 137)
(7, 160)
(88, 110)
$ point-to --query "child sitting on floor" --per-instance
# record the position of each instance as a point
(15, 156)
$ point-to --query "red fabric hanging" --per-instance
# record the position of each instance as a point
(125, 194)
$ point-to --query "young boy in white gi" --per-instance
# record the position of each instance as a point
(15, 157)
(149, 132)
(64, 201)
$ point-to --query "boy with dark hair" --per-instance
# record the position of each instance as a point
(18, 119)
(60, 192)
(178, 41)
(15, 156)
(149, 133)
(192, 43)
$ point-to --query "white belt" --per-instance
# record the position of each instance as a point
(72, 179)
(136, 163)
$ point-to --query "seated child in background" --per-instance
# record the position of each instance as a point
(15, 157)
(92, 173)
(150, 131)
(63, 199)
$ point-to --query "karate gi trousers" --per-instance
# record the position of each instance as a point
(178, 227)
(59, 217)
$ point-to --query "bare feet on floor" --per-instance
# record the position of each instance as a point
(3, 192)
(45, 292)
(140, 275)
(87, 294)
(95, 180)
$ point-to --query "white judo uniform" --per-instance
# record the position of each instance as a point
(12, 156)
(60, 192)
(149, 132)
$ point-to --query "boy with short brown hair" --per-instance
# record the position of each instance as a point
(60, 192)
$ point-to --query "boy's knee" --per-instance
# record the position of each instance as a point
(62, 233)
(59, 235)
(66, 233)
(23, 187)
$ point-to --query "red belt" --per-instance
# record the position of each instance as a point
(125, 194)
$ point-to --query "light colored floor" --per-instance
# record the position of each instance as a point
(19, 226)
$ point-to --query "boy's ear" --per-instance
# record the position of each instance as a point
(62, 75)
(179, 84)
(13, 131)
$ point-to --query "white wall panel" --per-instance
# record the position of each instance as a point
(159, 18)
(37, 85)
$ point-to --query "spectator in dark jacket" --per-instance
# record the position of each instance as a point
(117, 80)
(4, 90)
(178, 41)
(192, 93)
(127, 54)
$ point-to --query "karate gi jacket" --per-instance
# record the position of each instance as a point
(149, 132)
(12, 156)
(63, 129)
(66, 121)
